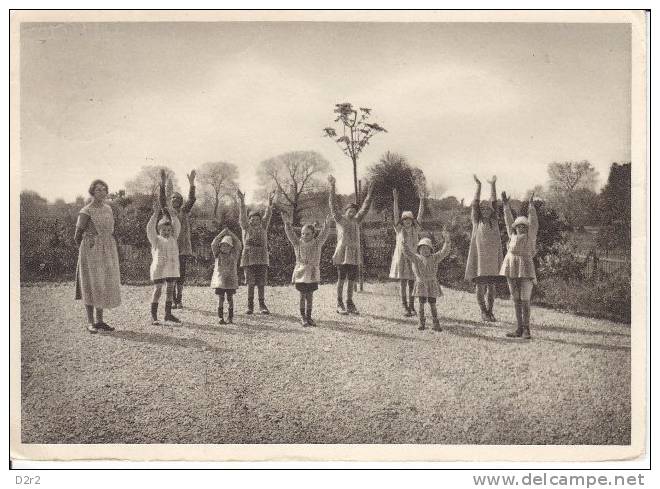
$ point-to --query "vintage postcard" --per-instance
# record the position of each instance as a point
(329, 235)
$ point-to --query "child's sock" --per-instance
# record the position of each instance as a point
(154, 311)
(230, 308)
(434, 314)
(404, 297)
(221, 310)
(250, 306)
(422, 317)
(411, 297)
(261, 291)
(302, 304)
(308, 310)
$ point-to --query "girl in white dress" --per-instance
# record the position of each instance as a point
(407, 230)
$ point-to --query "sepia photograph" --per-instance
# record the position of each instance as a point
(330, 235)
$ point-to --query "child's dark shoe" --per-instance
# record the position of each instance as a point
(221, 321)
(263, 309)
(492, 318)
(155, 322)
(421, 327)
(172, 318)
(104, 326)
(311, 322)
(436, 325)
(230, 320)
(515, 334)
(249, 310)
(340, 308)
(304, 322)
(351, 309)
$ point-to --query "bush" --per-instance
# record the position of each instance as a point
(607, 298)
(561, 261)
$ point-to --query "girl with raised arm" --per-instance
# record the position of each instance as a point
(307, 271)
(347, 251)
(226, 248)
(254, 258)
(425, 267)
(407, 230)
(518, 265)
(182, 211)
(485, 256)
(163, 235)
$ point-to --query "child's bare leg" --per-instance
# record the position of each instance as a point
(490, 300)
(411, 298)
(422, 317)
(481, 300)
(514, 289)
(403, 285)
(221, 307)
(340, 291)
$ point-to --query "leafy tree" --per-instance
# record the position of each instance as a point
(148, 179)
(614, 208)
(570, 191)
(295, 175)
(354, 133)
(220, 177)
(394, 172)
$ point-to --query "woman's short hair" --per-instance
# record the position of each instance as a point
(94, 184)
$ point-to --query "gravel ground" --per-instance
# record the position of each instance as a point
(372, 378)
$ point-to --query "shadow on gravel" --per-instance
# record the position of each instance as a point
(593, 346)
(160, 339)
(403, 320)
(337, 326)
(215, 328)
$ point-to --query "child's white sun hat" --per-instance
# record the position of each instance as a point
(521, 221)
(425, 242)
(227, 240)
(407, 215)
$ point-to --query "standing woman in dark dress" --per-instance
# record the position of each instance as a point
(97, 271)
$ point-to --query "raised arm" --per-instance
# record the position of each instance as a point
(238, 246)
(332, 199)
(422, 207)
(365, 205)
(446, 248)
(242, 211)
(395, 207)
(508, 216)
(325, 230)
(191, 193)
(493, 191)
(474, 209)
(410, 253)
(152, 233)
(162, 198)
(533, 218)
(215, 244)
(290, 233)
(269, 210)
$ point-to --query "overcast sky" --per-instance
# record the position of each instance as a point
(101, 100)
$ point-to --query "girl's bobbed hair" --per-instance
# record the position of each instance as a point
(94, 184)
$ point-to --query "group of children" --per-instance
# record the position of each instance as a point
(414, 264)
